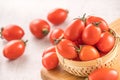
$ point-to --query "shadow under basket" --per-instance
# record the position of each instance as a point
(84, 68)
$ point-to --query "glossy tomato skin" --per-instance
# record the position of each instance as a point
(12, 32)
(50, 60)
(91, 34)
(88, 52)
(48, 50)
(66, 48)
(14, 49)
(104, 74)
(39, 28)
(74, 30)
(103, 24)
(57, 16)
(56, 35)
(106, 42)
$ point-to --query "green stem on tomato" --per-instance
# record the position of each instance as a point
(1, 33)
(45, 31)
(83, 17)
(96, 24)
(25, 42)
(56, 41)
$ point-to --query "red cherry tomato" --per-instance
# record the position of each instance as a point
(50, 60)
(74, 30)
(14, 49)
(12, 32)
(103, 24)
(106, 42)
(39, 28)
(57, 16)
(48, 50)
(104, 74)
(56, 35)
(91, 34)
(88, 52)
(66, 48)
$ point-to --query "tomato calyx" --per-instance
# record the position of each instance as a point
(45, 31)
(112, 32)
(81, 18)
(1, 33)
(56, 41)
(25, 42)
(96, 24)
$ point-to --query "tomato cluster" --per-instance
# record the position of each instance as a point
(83, 39)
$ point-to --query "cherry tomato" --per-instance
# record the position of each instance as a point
(57, 16)
(88, 52)
(66, 48)
(12, 32)
(50, 60)
(48, 50)
(103, 24)
(91, 34)
(104, 74)
(56, 35)
(74, 30)
(106, 42)
(14, 49)
(39, 28)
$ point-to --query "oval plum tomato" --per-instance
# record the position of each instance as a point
(106, 42)
(88, 52)
(48, 50)
(14, 49)
(12, 32)
(39, 28)
(91, 34)
(66, 48)
(57, 16)
(104, 74)
(103, 24)
(50, 60)
(74, 30)
(56, 35)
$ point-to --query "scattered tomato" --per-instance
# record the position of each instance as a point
(48, 50)
(56, 35)
(106, 42)
(57, 16)
(88, 52)
(91, 34)
(14, 49)
(66, 48)
(74, 30)
(12, 32)
(102, 23)
(104, 74)
(39, 28)
(50, 60)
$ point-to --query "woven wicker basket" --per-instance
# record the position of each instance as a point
(84, 68)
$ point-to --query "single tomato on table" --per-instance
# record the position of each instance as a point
(50, 60)
(57, 16)
(104, 74)
(14, 49)
(12, 32)
(56, 35)
(39, 28)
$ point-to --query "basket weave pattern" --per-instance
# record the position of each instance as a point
(84, 68)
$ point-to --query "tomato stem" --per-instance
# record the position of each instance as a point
(1, 33)
(112, 32)
(96, 23)
(25, 42)
(45, 31)
(56, 41)
(83, 17)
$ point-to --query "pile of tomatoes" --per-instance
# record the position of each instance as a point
(83, 39)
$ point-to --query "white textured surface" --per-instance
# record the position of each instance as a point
(21, 12)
